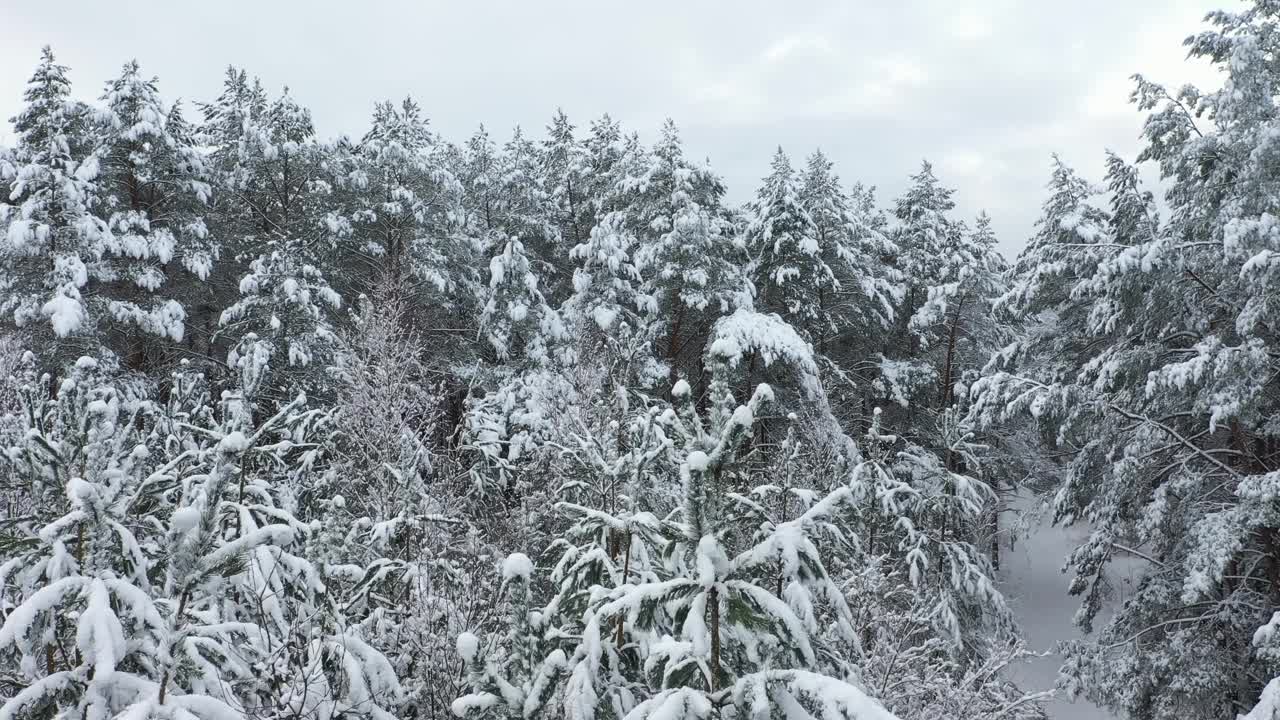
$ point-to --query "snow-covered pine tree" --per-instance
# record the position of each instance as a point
(285, 297)
(86, 626)
(853, 245)
(929, 256)
(232, 131)
(405, 209)
(925, 237)
(528, 213)
(790, 274)
(525, 387)
(608, 312)
(958, 311)
(1161, 410)
(519, 678)
(477, 167)
(254, 461)
(603, 155)
(606, 280)
(1070, 236)
(685, 255)
(517, 321)
(706, 628)
(290, 301)
(564, 171)
(53, 242)
(158, 574)
(154, 191)
(924, 592)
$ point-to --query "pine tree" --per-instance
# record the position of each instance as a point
(285, 297)
(705, 621)
(564, 172)
(54, 243)
(1063, 249)
(959, 311)
(154, 191)
(925, 239)
(930, 257)
(478, 170)
(603, 152)
(526, 212)
(520, 681)
(611, 319)
(790, 274)
(517, 321)
(290, 302)
(685, 257)
(1159, 406)
(405, 206)
(854, 246)
(527, 337)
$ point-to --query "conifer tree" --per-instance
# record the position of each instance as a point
(404, 207)
(54, 243)
(154, 192)
(925, 239)
(1148, 376)
(564, 178)
(791, 275)
(685, 255)
(603, 155)
(855, 247)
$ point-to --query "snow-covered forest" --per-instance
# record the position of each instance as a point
(542, 426)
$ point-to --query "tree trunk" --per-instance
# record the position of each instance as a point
(673, 342)
(948, 374)
(995, 525)
(713, 598)
(626, 573)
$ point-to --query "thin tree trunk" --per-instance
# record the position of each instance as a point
(995, 525)
(948, 375)
(673, 342)
(626, 573)
(177, 618)
(713, 598)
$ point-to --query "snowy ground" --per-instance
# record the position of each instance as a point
(1036, 589)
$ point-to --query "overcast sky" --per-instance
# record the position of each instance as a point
(985, 90)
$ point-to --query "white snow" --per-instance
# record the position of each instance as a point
(769, 335)
(517, 565)
(234, 442)
(468, 645)
(185, 519)
(698, 461)
(1268, 707)
(1037, 593)
(65, 314)
(604, 317)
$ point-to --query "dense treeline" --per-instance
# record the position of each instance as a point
(402, 427)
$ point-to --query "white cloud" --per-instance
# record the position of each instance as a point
(798, 44)
(968, 25)
(964, 163)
